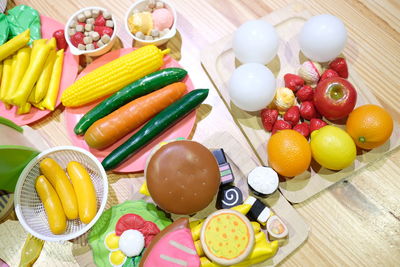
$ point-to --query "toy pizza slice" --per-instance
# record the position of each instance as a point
(172, 247)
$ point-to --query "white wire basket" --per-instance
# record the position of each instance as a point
(29, 208)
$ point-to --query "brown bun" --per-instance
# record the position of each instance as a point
(182, 177)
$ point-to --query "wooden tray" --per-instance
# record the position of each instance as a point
(241, 163)
(219, 61)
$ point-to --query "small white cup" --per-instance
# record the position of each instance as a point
(140, 5)
(96, 52)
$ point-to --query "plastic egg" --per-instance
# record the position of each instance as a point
(252, 87)
(255, 41)
(323, 38)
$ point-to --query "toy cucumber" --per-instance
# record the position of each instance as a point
(143, 86)
(161, 122)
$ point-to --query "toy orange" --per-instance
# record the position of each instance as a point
(370, 126)
(289, 153)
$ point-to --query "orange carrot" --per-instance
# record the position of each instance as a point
(124, 120)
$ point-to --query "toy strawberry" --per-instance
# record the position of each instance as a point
(303, 128)
(340, 66)
(281, 125)
(268, 118)
(292, 115)
(305, 93)
(293, 81)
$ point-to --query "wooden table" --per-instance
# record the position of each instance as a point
(355, 222)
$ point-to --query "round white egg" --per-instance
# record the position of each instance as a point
(131, 242)
(255, 41)
(252, 86)
(323, 38)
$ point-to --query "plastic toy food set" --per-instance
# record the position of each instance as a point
(34, 66)
(91, 30)
(139, 233)
(308, 122)
(105, 126)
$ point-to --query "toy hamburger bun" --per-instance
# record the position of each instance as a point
(182, 177)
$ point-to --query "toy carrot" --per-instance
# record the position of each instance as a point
(19, 67)
(43, 82)
(31, 75)
(124, 120)
(14, 44)
(49, 102)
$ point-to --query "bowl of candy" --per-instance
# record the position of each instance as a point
(91, 31)
(151, 22)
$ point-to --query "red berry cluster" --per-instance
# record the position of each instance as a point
(294, 118)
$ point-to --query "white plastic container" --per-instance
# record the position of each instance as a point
(29, 208)
(141, 4)
(96, 52)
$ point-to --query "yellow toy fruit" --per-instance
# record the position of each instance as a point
(332, 147)
(84, 190)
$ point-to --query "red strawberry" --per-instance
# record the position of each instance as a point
(103, 30)
(340, 66)
(281, 125)
(328, 74)
(316, 124)
(293, 81)
(82, 23)
(100, 21)
(306, 93)
(268, 118)
(292, 115)
(307, 110)
(77, 38)
(303, 128)
(60, 39)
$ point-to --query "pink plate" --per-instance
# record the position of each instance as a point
(138, 161)
(70, 69)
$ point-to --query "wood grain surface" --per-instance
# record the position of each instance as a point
(354, 223)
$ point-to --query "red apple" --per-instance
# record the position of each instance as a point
(335, 98)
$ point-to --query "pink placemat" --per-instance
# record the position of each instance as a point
(138, 161)
(70, 69)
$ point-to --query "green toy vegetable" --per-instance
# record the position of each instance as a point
(143, 86)
(161, 122)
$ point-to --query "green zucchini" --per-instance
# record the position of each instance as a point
(143, 86)
(158, 124)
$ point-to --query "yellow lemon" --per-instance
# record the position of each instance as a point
(332, 147)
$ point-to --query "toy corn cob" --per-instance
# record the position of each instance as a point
(14, 44)
(113, 76)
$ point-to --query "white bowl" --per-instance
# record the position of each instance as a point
(96, 52)
(141, 4)
(29, 208)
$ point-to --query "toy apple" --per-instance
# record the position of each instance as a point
(335, 98)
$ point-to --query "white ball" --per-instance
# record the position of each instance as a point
(255, 41)
(131, 242)
(252, 87)
(323, 38)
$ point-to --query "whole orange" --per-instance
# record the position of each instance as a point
(370, 126)
(289, 153)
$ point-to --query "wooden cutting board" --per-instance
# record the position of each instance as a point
(219, 61)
